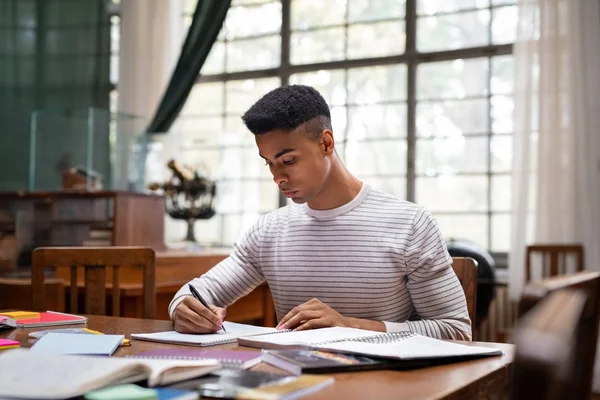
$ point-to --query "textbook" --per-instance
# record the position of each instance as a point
(30, 375)
(48, 318)
(234, 331)
(227, 358)
(299, 362)
(394, 345)
(247, 384)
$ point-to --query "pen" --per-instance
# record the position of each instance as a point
(201, 300)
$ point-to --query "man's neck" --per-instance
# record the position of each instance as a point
(340, 188)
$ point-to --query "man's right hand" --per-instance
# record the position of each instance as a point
(190, 316)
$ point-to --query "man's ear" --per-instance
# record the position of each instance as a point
(327, 142)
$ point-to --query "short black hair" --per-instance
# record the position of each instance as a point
(287, 108)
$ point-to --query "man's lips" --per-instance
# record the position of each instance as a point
(289, 193)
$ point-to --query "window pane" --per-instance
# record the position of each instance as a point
(205, 98)
(500, 232)
(377, 121)
(452, 155)
(251, 54)
(502, 74)
(377, 84)
(455, 31)
(234, 226)
(338, 122)
(241, 95)
(253, 20)
(469, 227)
(501, 2)
(329, 83)
(452, 79)
(237, 133)
(193, 133)
(431, 7)
(243, 162)
(504, 25)
(452, 193)
(394, 186)
(215, 62)
(317, 46)
(450, 118)
(206, 161)
(316, 13)
(376, 39)
(385, 157)
(502, 114)
(501, 192)
(372, 10)
(501, 153)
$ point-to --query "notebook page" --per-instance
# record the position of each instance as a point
(304, 338)
(73, 343)
(30, 375)
(411, 348)
(234, 331)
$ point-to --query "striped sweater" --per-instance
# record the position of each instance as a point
(376, 258)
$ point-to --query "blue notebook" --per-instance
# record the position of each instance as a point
(73, 343)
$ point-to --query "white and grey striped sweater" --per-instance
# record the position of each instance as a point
(375, 258)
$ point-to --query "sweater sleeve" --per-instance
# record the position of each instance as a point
(438, 297)
(232, 278)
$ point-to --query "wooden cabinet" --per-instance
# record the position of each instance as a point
(104, 218)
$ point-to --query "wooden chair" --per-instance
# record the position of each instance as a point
(465, 269)
(554, 259)
(587, 336)
(16, 294)
(546, 338)
(95, 261)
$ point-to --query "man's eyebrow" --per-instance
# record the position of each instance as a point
(282, 152)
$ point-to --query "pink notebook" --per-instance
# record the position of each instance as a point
(227, 358)
(51, 318)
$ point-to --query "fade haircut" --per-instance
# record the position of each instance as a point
(288, 107)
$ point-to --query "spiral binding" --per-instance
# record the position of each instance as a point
(384, 338)
(229, 363)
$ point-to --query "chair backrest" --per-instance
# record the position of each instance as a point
(16, 294)
(95, 261)
(545, 363)
(465, 269)
(554, 258)
(587, 336)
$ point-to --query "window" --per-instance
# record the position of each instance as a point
(420, 93)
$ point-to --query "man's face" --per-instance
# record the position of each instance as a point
(299, 163)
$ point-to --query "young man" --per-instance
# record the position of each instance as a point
(344, 254)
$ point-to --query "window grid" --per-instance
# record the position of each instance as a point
(412, 58)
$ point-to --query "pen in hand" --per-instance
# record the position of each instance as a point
(201, 300)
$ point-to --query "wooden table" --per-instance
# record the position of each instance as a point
(476, 379)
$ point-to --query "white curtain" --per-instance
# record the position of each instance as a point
(152, 32)
(556, 150)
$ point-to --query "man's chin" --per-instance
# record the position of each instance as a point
(298, 200)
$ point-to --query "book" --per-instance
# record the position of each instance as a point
(49, 318)
(86, 373)
(74, 343)
(393, 345)
(20, 314)
(81, 331)
(247, 384)
(7, 323)
(122, 392)
(299, 362)
(234, 331)
(174, 394)
(227, 358)
(6, 344)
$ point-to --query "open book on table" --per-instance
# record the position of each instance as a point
(31, 375)
(395, 345)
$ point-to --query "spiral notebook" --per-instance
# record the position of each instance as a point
(227, 358)
(395, 345)
(234, 331)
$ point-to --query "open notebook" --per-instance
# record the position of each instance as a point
(30, 375)
(234, 331)
(395, 345)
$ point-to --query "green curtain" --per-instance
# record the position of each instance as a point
(206, 24)
(54, 55)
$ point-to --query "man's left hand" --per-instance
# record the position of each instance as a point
(311, 315)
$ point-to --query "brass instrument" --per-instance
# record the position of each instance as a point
(189, 196)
